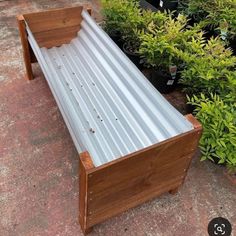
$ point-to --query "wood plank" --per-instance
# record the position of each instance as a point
(87, 161)
(56, 37)
(83, 194)
(25, 46)
(194, 121)
(54, 19)
(124, 205)
(55, 27)
(146, 183)
(166, 151)
(140, 176)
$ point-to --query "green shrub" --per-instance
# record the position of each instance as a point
(133, 23)
(209, 67)
(115, 14)
(219, 14)
(160, 39)
(222, 14)
(218, 117)
(123, 16)
(195, 9)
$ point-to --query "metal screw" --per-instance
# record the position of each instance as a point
(91, 130)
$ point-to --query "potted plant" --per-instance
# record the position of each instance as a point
(158, 45)
(209, 67)
(222, 16)
(133, 23)
(216, 17)
(147, 5)
(218, 117)
(114, 13)
(195, 10)
(164, 4)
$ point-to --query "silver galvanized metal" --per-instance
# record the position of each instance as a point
(110, 108)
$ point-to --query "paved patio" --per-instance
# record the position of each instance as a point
(39, 163)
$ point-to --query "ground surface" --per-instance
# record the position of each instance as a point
(39, 164)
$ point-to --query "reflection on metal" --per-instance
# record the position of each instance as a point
(110, 108)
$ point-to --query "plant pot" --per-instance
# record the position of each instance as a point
(155, 3)
(134, 57)
(209, 32)
(190, 108)
(163, 82)
(164, 4)
(171, 5)
(147, 6)
(232, 45)
(116, 37)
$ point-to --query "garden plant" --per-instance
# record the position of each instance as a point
(159, 42)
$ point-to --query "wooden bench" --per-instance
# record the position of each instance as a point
(132, 144)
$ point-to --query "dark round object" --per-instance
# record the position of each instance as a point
(134, 57)
(116, 37)
(190, 108)
(154, 3)
(146, 5)
(219, 226)
(209, 32)
(232, 45)
(163, 82)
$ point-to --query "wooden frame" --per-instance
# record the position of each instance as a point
(50, 28)
(114, 187)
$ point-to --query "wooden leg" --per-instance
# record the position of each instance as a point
(85, 163)
(25, 46)
(174, 191)
(88, 231)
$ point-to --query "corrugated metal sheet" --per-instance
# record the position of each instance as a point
(110, 108)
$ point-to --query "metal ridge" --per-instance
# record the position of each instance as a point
(109, 107)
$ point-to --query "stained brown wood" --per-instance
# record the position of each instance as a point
(85, 164)
(174, 191)
(53, 19)
(196, 124)
(54, 27)
(136, 190)
(128, 181)
(27, 55)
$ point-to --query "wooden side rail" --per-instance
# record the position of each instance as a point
(28, 54)
(112, 188)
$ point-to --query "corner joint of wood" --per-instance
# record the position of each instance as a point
(86, 160)
(89, 10)
(196, 124)
(20, 18)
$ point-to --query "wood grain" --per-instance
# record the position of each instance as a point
(116, 186)
(85, 164)
(54, 27)
(25, 47)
